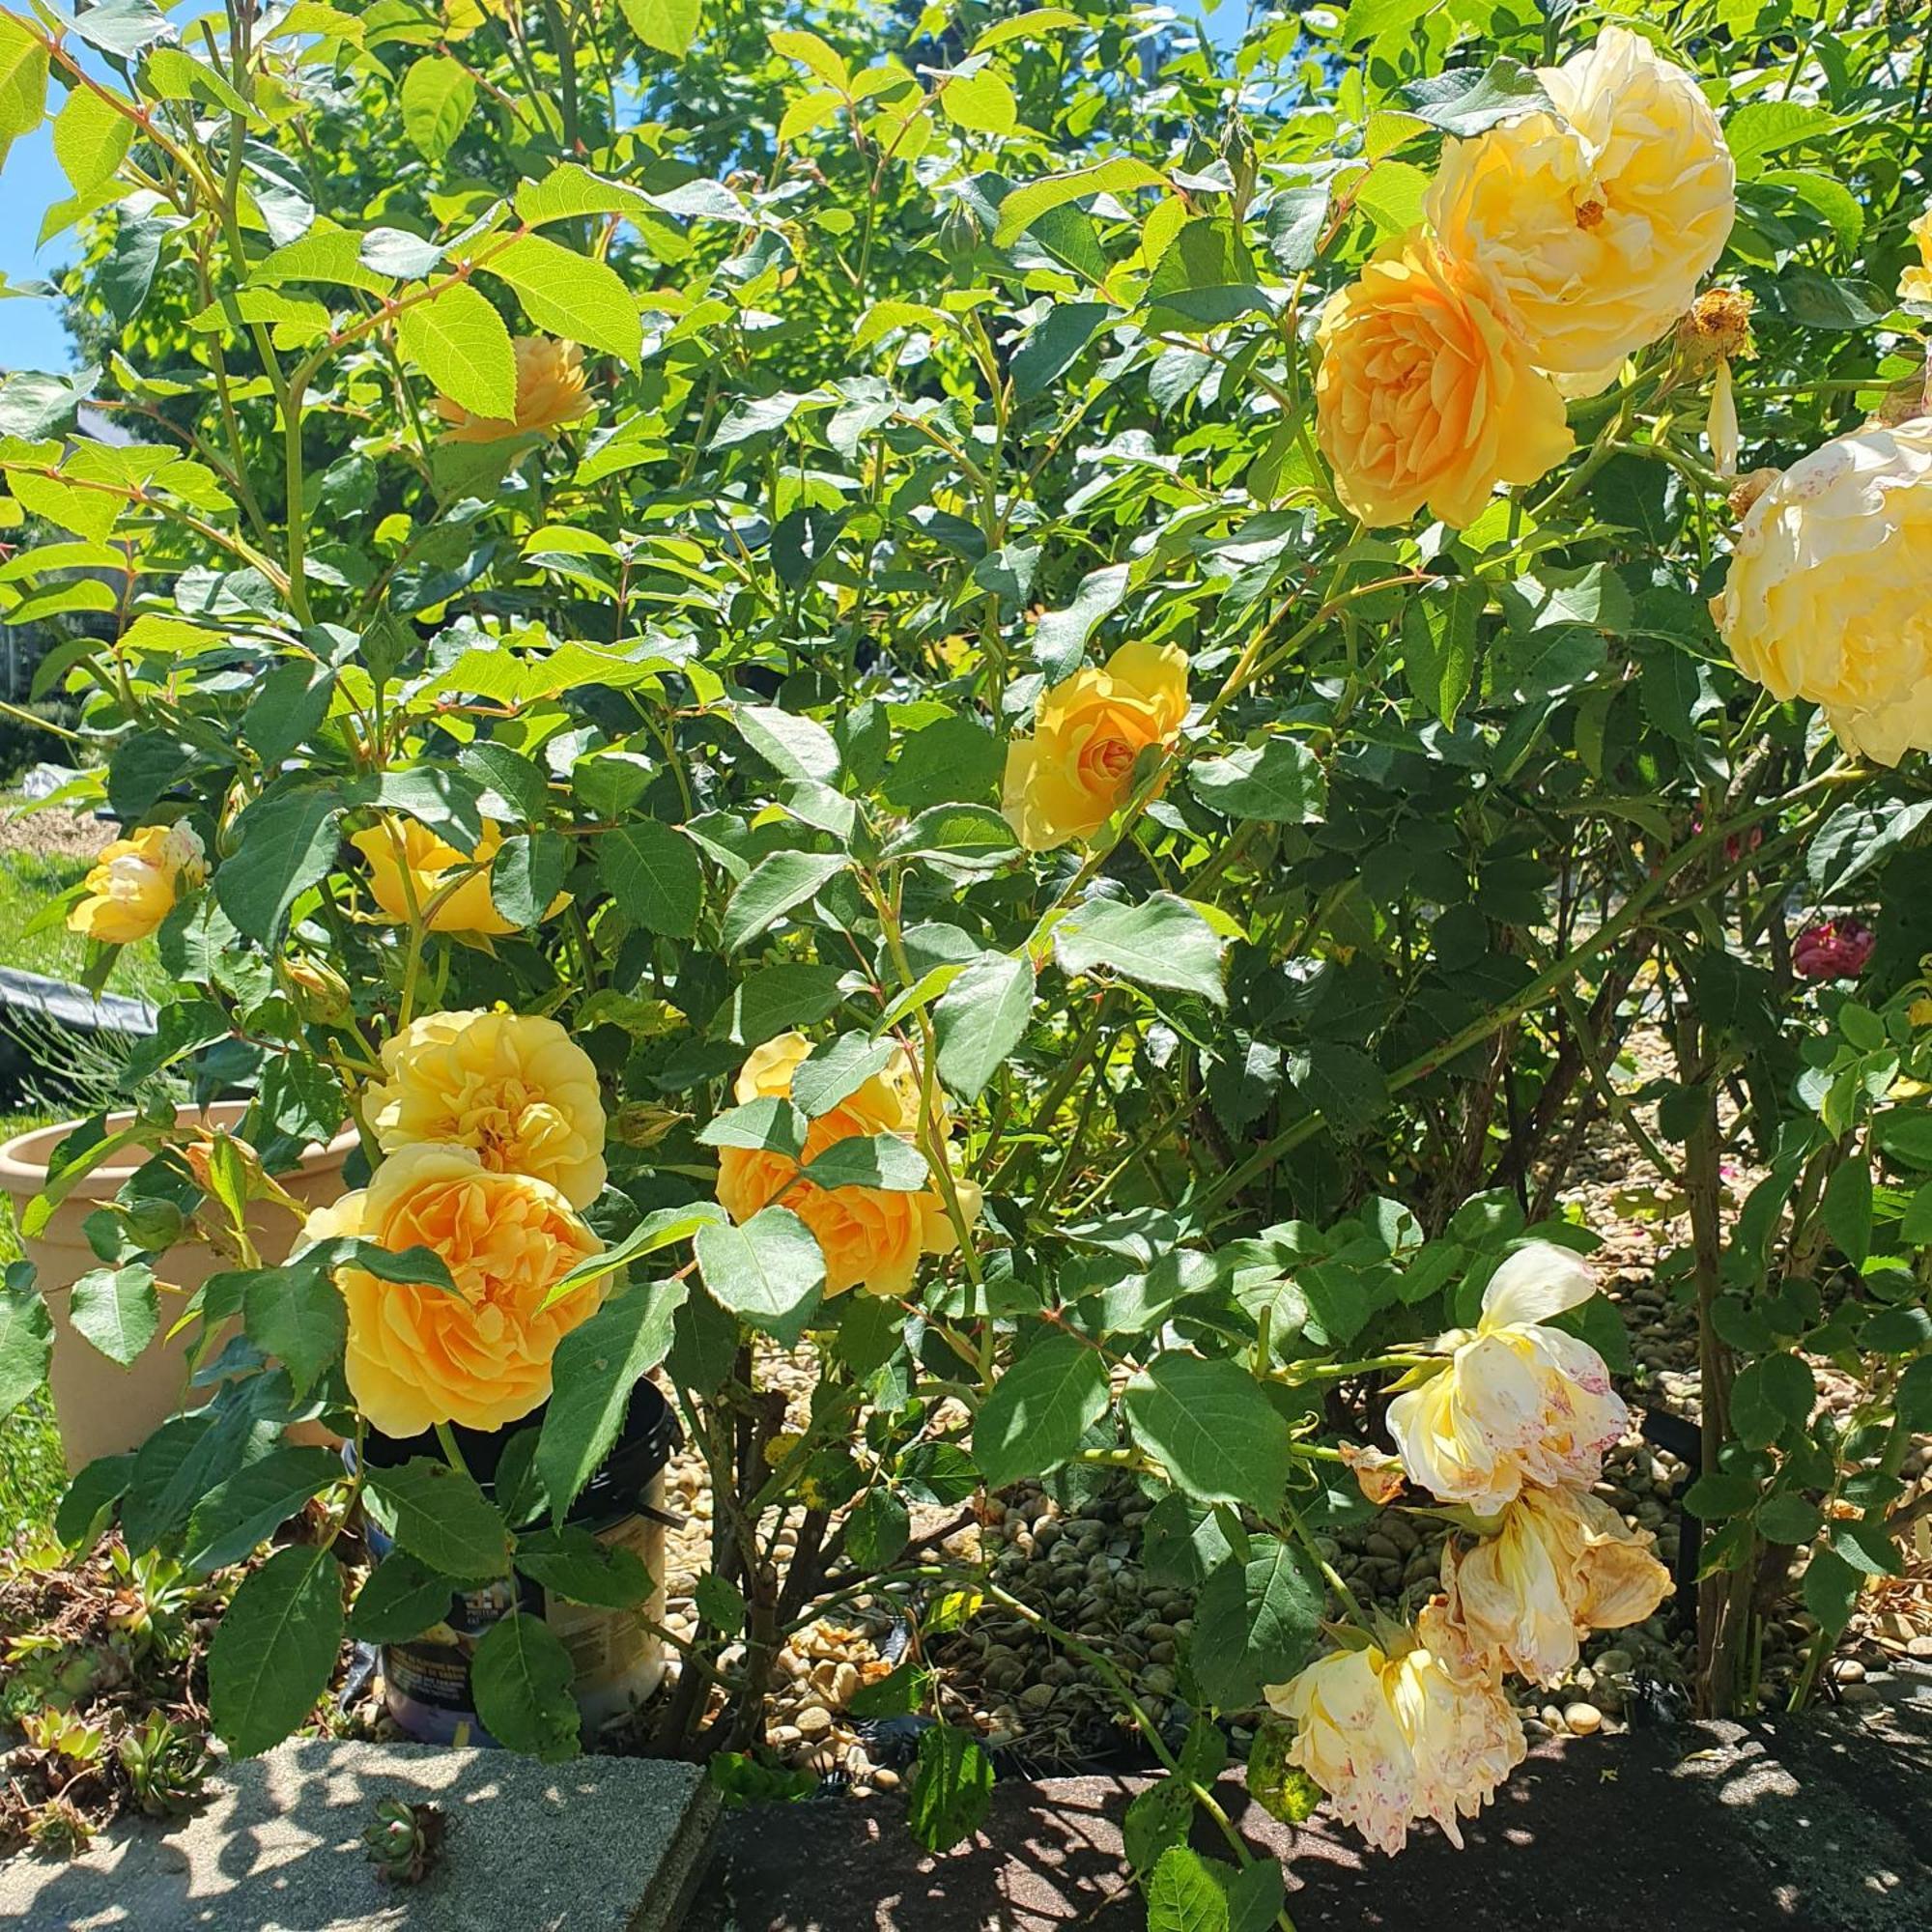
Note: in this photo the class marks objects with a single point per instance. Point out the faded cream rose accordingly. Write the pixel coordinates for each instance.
(871, 1237)
(551, 392)
(134, 883)
(1826, 596)
(1591, 227)
(1425, 397)
(1559, 1565)
(514, 1087)
(1076, 770)
(1396, 1732)
(481, 1356)
(1519, 1402)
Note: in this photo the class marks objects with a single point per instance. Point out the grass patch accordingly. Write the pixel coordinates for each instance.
(33, 1472)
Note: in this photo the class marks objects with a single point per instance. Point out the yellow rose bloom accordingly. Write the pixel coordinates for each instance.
(431, 862)
(1915, 285)
(133, 885)
(1519, 1402)
(1075, 771)
(1417, 1729)
(551, 392)
(1561, 1564)
(1424, 396)
(871, 1237)
(417, 1356)
(1592, 227)
(516, 1089)
(1826, 597)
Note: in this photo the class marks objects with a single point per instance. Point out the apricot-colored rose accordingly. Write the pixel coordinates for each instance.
(133, 885)
(1826, 597)
(550, 393)
(1591, 227)
(480, 1357)
(1425, 396)
(872, 1236)
(514, 1087)
(432, 863)
(1075, 771)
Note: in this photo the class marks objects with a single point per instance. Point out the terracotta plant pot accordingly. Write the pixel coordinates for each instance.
(103, 1410)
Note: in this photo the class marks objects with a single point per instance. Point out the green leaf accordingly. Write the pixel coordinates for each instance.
(1831, 1590)
(296, 1316)
(594, 1371)
(290, 838)
(117, 1310)
(876, 1530)
(26, 1337)
(1789, 1520)
(982, 103)
(1467, 100)
(884, 1161)
(769, 1123)
(523, 1683)
(720, 1604)
(443, 1517)
(570, 1562)
(952, 1788)
(527, 874)
(1438, 644)
(437, 97)
(23, 79)
(573, 296)
(652, 871)
(460, 343)
(1866, 1546)
(670, 26)
(837, 1070)
(1279, 782)
(1256, 1622)
(1025, 206)
(981, 1019)
(1718, 1494)
(91, 138)
(1847, 1208)
(95, 1490)
(1039, 1410)
(1219, 1436)
(247, 1508)
(972, 836)
(274, 1648)
(1163, 942)
(768, 1272)
(799, 749)
(401, 1598)
(772, 887)
(1183, 1895)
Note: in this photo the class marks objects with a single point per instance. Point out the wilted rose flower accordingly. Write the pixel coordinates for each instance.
(1834, 949)
(1519, 1402)
(133, 885)
(514, 1087)
(1075, 771)
(1426, 396)
(1561, 1564)
(550, 393)
(1377, 1474)
(1592, 226)
(1824, 599)
(871, 1237)
(1415, 1728)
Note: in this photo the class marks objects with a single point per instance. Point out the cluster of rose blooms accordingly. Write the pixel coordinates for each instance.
(1508, 1433)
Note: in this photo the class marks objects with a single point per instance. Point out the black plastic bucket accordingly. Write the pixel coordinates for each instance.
(426, 1681)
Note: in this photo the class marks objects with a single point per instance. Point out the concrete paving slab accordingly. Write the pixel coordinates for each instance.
(1820, 1826)
(599, 1844)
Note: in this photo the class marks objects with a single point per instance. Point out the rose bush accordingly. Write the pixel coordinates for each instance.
(1061, 675)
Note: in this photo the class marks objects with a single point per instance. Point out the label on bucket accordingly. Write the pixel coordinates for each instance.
(609, 1647)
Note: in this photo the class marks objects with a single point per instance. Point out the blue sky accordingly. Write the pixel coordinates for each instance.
(31, 335)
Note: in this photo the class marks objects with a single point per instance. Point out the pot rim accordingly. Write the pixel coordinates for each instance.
(23, 1159)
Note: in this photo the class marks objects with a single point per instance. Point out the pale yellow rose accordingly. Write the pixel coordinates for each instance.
(1418, 1729)
(1076, 770)
(1592, 227)
(871, 1237)
(1826, 597)
(418, 1356)
(1424, 396)
(1915, 285)
(432, 863)
(514, 1087)
(1560, 1564)
(133, 885)
(1519, 1402)
(550, 393)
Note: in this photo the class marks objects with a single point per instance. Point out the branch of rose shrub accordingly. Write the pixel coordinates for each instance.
(1097, 1661)
(1633, 912)
(1615, 1103)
